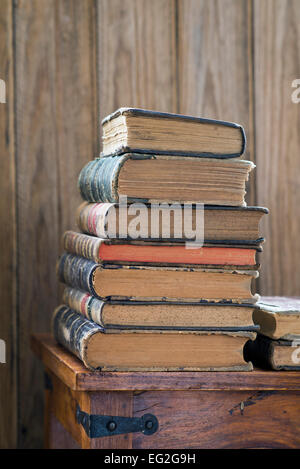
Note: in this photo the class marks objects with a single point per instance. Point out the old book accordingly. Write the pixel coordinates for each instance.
(142, 131)
(238, 225)
(160, 315)
(275, 354)
(161, 253)
(148, 178)
(156, 283)
(278, 317)
(113, 350)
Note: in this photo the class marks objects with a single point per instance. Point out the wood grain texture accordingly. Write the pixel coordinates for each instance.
(59, 438)
(56, 101)
(223, 417)
(277, 121)
(214, 46)
(214, 419)
(73, 374)
(136, 55)
(76, 100)
(112, 403)
(8, 370)
(37, 196)
(62, 403)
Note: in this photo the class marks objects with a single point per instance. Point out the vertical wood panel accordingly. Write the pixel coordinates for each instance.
(136, 54)
(8, 380)
(214, 42)
(56, 134)
(36, 147)
(112, 403)
(277, 119)
(78, 139)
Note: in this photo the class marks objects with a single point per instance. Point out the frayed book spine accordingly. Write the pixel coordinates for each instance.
(82, 245)
(84, 303)
(92, 218)
(98, 180)
(73, 331)
(76, 272)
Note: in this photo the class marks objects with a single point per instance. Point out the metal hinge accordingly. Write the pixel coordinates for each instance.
(97, 426)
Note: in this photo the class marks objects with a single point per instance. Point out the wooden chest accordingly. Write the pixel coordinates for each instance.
(259, 409)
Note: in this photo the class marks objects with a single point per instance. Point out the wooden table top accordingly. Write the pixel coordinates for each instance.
(74, 374)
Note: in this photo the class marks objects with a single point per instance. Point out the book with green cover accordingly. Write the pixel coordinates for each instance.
(151, 178)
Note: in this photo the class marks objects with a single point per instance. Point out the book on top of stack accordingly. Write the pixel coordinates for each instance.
(159, 275)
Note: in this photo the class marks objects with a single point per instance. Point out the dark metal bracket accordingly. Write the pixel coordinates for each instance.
(97, 426)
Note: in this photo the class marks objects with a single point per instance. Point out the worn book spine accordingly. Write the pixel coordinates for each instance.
(76, 272)
(82, 245)
(98, 219)
(91, 218)
(98, 180)
(73, 331)
(85, 304)
(92, 308)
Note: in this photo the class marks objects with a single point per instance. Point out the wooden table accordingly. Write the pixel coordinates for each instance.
(259, 409)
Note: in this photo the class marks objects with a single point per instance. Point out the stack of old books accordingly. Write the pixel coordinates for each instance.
(277, 345)
(159, 276)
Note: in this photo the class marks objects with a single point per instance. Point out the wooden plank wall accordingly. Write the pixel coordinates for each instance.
(68, 63)
(276, 28)
(137, 55)
(8, 278)
(214, 63)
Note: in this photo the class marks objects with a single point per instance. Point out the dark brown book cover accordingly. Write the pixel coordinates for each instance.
(148, 114)
(223, 225)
